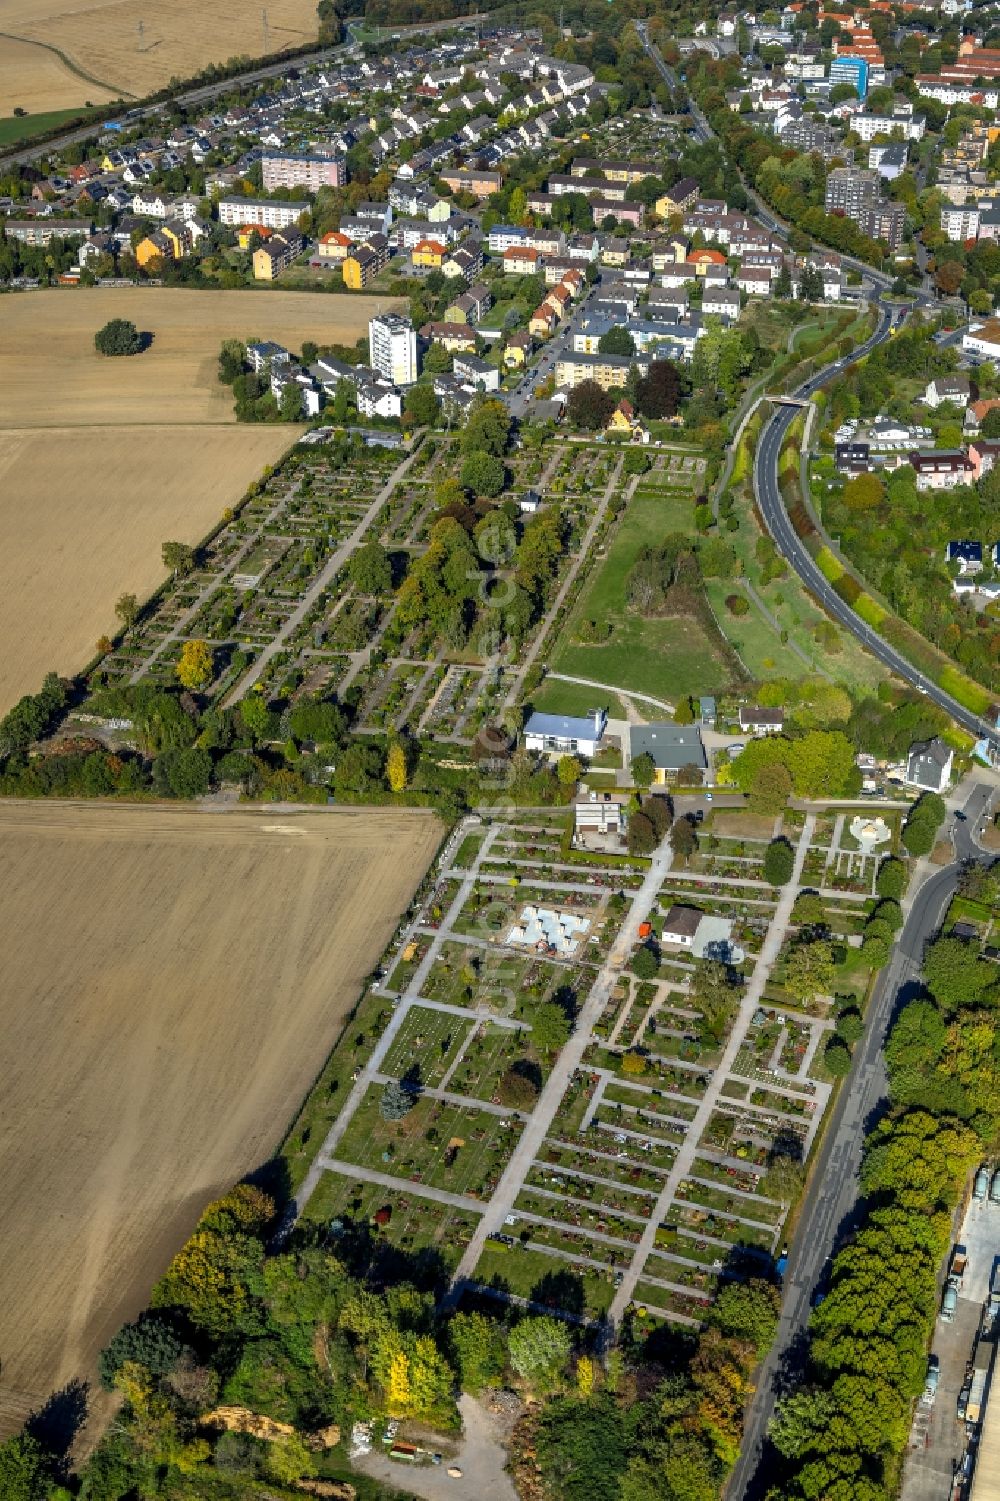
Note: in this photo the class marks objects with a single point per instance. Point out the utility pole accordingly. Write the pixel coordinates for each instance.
(141, 33)
(263, 17)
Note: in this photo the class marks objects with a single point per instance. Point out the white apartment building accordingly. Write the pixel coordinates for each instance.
(273, 213)
(960, 221)
(912, 127)
(392, 343)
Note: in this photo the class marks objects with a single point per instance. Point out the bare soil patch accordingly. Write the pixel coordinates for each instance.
(177, 981)
(738, 823)
(135, 49)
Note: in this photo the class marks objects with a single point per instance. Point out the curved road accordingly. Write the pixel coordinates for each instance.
(831, 1196)
(792, 548)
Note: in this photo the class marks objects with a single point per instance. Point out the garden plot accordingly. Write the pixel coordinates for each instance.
(428, 1042)
(458, 1148)
(571, 1281)
(491, 1051)
(413, 1223)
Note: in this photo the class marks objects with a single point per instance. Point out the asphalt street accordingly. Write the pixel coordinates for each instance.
(202, 93)
(792, 548)
(830, 1201)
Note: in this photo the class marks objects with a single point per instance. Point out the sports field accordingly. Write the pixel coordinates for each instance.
(100, 49)
(103, 460)
(177, 983)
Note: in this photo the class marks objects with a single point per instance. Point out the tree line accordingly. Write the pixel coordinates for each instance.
(841, 1433)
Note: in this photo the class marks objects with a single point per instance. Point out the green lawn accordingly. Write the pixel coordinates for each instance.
(14, 130)
(663, 657)
(756, 642)
(554, 697)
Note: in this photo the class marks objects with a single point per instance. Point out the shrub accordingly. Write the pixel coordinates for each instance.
(870, 610)
(645, 963)
(633, 1063)
(119, 336)
(837, 1058)
(779, 860)
(828, 565)
(737, 604)
(848, 588)
(891, 878)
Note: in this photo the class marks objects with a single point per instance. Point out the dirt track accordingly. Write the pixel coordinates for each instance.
(171, 983)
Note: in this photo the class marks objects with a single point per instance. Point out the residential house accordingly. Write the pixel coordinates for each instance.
(470, 306)
(954, 388)
(333, 247)
(454, 337)
(757, 721)
(476, 372)
(683, 195)
(975, 414)
(928, 765)
(608, 370)
(518, 349)
(601, 813)
(364, 263)
(852, 458)
(155, 247)
(967, 555)
(265, 354)
(942, 468)
(564, 734)
(680, 926)
(520, 260)
(428, 255)
(274, 213)
(273, 257)
(466, 262)
(671, 747)
(471, 180)
(542, 321)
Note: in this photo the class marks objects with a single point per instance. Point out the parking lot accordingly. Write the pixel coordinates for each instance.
(939, 1440)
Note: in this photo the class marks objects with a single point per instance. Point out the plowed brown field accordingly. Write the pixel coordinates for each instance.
(171, 982)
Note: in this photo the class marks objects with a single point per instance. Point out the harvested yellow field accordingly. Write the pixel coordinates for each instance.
(51, 375)
(134, 49)
(101, 461)
(36, 79)
(83, 514)
(178, 981)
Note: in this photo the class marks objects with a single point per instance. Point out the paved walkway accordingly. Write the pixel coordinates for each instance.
(373, 1067)
(180, 625)
(399, 1185)
(514, 691)
(684, 1161)
(533, 1138)
(646, 698)
(322, 581)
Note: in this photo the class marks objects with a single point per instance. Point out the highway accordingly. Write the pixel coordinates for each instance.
(203, 93)
(830, 1199)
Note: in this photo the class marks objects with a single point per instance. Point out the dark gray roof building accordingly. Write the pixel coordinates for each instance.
(670, 745)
